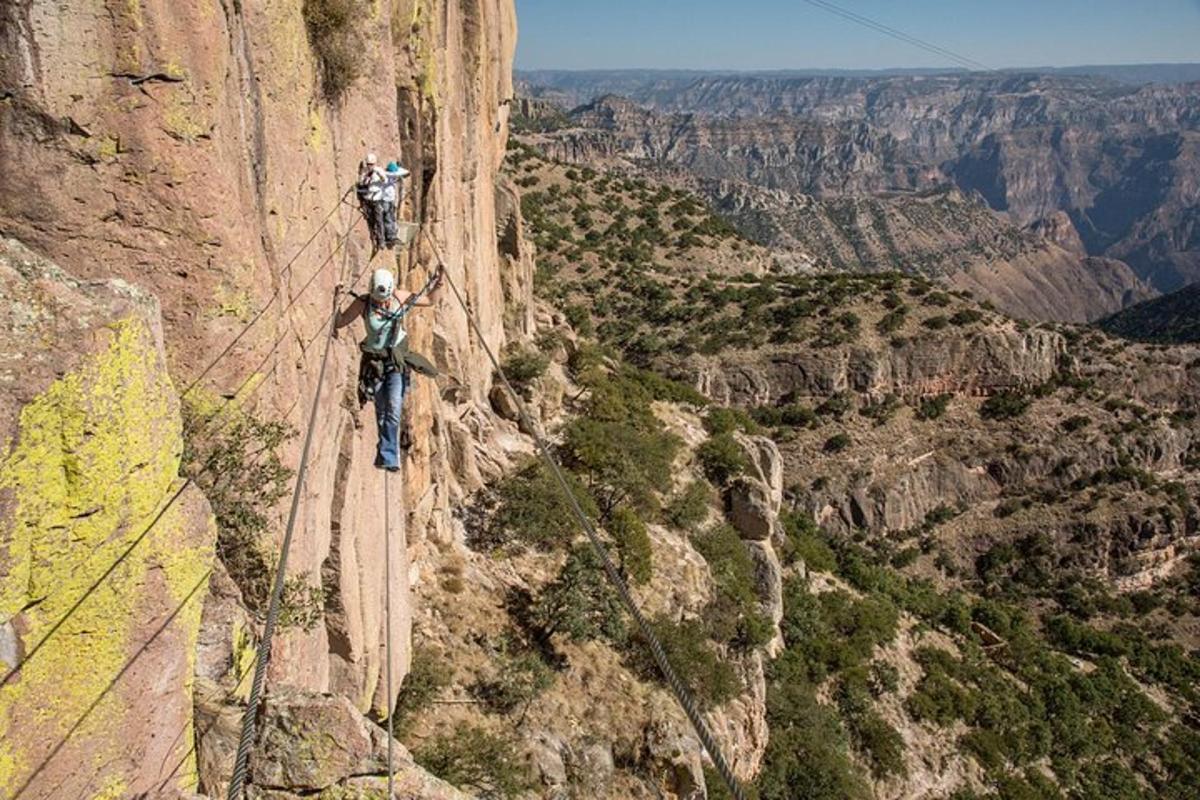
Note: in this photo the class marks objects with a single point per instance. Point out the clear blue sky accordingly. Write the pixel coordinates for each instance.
(783, 34)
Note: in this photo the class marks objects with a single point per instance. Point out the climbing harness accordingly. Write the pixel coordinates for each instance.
(682, 695)
(397, 354)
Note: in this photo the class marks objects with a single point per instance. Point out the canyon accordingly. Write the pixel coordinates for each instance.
(1117, 160)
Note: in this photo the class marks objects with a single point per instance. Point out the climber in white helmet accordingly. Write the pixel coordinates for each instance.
(383, 374)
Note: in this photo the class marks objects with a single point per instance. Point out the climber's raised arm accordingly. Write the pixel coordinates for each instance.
(354, 311)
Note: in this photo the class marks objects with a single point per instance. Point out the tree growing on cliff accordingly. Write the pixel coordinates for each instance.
(579, 602)
(336, 37)
(234, 457)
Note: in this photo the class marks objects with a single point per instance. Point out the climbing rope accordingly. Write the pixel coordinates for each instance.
(250, 717)
(681, 692)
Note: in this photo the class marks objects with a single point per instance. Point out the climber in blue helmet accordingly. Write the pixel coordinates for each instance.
(393, 194)
(384, 371)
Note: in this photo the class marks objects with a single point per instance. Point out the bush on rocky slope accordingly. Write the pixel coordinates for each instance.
(473, 758)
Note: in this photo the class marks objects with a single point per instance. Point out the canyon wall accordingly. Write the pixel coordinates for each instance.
(1120, 160)
(193, 150)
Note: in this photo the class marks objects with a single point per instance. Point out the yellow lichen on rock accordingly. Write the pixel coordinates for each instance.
(89, 546)
(316, 131)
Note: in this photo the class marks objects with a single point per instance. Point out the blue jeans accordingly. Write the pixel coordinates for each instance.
(389, 402)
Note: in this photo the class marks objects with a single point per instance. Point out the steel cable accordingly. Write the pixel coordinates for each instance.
(387, 600)
(274, 296)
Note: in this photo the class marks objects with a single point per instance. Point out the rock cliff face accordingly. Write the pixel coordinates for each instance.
(193, 150)
(826, 191)
(991, 360)
(105, 553)
(1172, 318)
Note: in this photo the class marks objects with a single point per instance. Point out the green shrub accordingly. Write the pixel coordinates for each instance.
(523, 366)
(722, 458)
(472, 758)
(1075, 423)
(579, 602)
(658, 387)
(521, 675)
(836, 405)
(884, 678)
(711, 679)
(833, 631)
(808, 753)
(633, 545)
(335, 34)
(805, 543)
(1005, 405)
(580, 319)
(620, 448)
(837, 443)
(936, 322)
(534, 510)
(722, 420)
(933, 407)
(792, 415)
(966, 316)
(302, 604)
(690, 507)
(427, 677)
(241, 473)
(882, 410)
(940, 699)
(733, 615)
(893, 320)
(881, 743)
(717, 790)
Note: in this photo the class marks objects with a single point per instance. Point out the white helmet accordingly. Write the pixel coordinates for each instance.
(382, 284)
(371, 159)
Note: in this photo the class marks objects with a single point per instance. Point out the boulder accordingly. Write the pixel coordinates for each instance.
(768, 584)
(749, 509)
(309, 742)
(675, 759)
(503, 404)
(546, 753)
(595, 759)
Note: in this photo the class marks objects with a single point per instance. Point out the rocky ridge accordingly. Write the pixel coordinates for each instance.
(931, 228)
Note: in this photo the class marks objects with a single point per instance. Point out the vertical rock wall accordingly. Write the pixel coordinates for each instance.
(188, 148)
